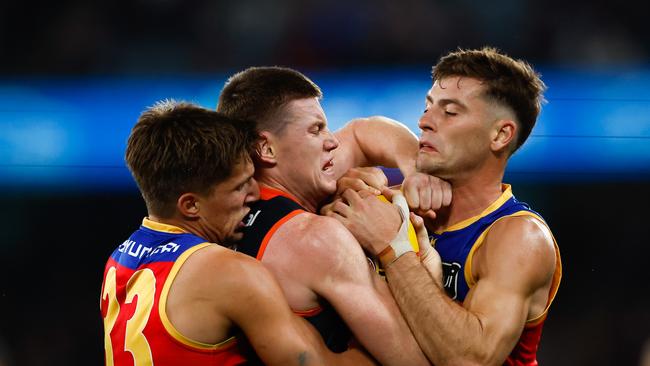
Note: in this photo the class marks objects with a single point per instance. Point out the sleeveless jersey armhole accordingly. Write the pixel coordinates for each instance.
(274, 228)
(162, 308)
(557, 275)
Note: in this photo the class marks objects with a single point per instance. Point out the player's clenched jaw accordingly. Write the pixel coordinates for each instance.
(305, 150)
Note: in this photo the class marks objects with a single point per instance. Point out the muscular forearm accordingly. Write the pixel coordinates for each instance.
(447, 333)
(386, 334)
(405, 348)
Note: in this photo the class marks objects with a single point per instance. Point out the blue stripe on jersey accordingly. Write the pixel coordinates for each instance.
(147, 246)
(454, 246)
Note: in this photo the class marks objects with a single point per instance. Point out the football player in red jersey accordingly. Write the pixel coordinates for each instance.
(171, 295)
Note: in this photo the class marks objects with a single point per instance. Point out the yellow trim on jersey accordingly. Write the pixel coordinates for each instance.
(159, 226)
(505, 195)
(557, 275)
(162, 304)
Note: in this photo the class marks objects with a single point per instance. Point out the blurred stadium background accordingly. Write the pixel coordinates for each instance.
(74, 76)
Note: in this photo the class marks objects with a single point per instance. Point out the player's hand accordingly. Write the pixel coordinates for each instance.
(371, 179)
(428, 255)
(426, 194)
(359, 179)
(373, 223)
(328, 209)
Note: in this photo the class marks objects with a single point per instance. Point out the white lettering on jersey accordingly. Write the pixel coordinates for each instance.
(450, 273)
(165, 248)
(129, 247)
(251, 218)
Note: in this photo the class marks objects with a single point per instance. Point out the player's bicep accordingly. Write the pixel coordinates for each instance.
(278, 336)
(515, 262)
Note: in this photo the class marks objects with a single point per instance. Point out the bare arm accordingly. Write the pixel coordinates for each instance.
(425, 194)
(278, 336)
(329, 261)
(485, 329)
(376, 141)
(374, 222)
(382, 141)
(364, 300)
(233, 290)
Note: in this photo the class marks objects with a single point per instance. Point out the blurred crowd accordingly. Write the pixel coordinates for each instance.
(171, 36)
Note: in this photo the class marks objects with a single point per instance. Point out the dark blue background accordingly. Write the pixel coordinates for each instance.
(71, 133)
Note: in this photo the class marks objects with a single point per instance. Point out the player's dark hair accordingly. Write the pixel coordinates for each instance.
(176, 148)
(259, 93)
(509, 82)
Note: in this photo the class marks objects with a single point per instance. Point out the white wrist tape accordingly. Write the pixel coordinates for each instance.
(401, 243)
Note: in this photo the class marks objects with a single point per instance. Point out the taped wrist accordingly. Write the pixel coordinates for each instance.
(401, 244)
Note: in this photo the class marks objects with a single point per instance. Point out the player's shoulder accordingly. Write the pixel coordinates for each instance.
(229, 280)
(223, 266)
(523, 239)
(314, 242)
(529, 230)
(316, 227)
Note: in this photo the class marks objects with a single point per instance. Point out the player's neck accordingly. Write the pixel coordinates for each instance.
(310, 204)
(470, 197)
(192, 227)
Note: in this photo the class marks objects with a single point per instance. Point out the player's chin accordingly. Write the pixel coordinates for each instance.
(328, 185)
(425, 164)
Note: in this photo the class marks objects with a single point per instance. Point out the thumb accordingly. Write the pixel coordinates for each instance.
(421, 233)
(430, 214)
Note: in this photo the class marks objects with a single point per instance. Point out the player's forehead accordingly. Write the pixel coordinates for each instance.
(305, 109)
(455, 87)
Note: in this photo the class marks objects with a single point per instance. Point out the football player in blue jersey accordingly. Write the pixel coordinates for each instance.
(501, 266)
(172, 294)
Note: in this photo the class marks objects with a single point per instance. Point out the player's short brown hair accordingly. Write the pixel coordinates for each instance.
(511, 83)
(178, 147)
(259, 93)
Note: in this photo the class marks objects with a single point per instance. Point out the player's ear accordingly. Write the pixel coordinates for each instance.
(189, 205)
(503, 135)
(266, 150)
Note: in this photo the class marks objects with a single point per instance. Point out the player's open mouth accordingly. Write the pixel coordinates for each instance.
(328, 165)
(243, 221)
